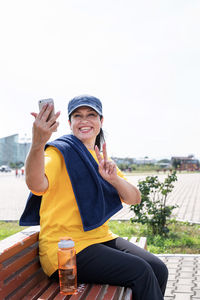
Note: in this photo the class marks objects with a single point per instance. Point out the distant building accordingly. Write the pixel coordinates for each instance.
(185, 163)
(12, 151)
(145, 161)
(127, 161)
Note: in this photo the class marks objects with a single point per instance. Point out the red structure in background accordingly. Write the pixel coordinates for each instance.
(185, 163)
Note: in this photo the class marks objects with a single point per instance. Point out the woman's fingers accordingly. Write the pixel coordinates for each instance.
(41, 112)
(53, 119)
(34, 114)
(43, 127)
(109, 167)
(47, 111)
(42, 117)
(105, 157)
(54, 126)
(52, 123)
(99, 158)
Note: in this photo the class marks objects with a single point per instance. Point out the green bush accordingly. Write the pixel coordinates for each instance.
(153, 210)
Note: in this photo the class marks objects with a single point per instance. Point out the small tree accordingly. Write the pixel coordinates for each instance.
(153, 210)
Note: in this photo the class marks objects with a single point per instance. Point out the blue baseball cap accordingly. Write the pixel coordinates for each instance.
(85, 100)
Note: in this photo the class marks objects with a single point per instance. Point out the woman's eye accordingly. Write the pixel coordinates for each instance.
(92, 115)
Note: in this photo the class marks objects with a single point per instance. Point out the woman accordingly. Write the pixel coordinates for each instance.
(80, 189)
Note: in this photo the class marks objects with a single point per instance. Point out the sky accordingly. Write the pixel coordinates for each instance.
(140, 58)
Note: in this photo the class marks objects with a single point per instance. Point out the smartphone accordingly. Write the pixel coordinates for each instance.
(42, 102)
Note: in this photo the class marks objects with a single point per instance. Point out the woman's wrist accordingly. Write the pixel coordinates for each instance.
(115, 181)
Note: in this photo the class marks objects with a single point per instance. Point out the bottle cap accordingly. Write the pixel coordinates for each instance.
(66, 243)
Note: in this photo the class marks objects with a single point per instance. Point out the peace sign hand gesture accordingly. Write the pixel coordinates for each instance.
(107, 168)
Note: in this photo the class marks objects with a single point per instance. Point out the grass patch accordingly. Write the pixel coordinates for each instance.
(9, 228)
(183, 238)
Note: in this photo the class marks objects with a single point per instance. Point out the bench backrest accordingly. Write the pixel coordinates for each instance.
(20, 269)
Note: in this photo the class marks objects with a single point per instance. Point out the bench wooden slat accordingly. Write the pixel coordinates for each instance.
(27, 286)
(60, 296)
(127, 294)
(50, 292)
(95, 291)
(18, 263)
(133, 240)
(140, 242)
(121, 293)
(111, 293)
(37, 290)
(143, 243)
(83, 290)
(18, 279)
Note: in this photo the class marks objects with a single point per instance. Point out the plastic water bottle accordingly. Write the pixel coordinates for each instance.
(67, 266)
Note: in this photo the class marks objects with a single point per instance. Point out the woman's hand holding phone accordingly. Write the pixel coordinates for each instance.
(45, 122)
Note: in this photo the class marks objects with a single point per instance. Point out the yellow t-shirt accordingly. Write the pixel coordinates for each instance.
(59, 214)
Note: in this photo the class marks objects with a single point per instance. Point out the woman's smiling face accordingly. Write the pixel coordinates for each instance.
(85, 124)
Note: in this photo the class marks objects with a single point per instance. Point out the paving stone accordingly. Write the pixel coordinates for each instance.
(196, 292)
(186, 274)
(171, 284)
(163, 258)
(187, 269)
(173, 271)
(197, 273)
(173, 264)
(182, 296)
(197, 278)
(173, 267)
(174, 259)
(188, 263)
(186, 281)
(189, 258)
(183, 288)
(169, 292)
(172, 276)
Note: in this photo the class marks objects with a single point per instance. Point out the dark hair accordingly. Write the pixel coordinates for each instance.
(100, 139)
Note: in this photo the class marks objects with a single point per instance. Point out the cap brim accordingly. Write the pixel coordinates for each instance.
(87, 106)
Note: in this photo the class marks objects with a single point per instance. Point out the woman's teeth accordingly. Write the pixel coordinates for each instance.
(85, 129)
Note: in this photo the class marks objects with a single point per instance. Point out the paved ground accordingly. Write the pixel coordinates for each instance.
(186, 194)
(13, 195)
(184, 277)
(184, 270)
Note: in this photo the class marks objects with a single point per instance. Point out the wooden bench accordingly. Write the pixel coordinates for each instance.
(21, 275)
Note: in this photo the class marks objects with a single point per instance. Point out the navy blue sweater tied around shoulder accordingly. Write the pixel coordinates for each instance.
(97, 199)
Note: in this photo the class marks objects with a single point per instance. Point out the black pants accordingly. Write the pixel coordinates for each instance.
(119, 262)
